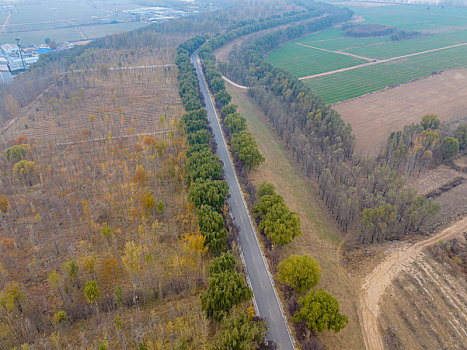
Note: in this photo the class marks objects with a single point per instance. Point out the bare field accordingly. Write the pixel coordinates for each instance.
(426, 306)
(374, 116)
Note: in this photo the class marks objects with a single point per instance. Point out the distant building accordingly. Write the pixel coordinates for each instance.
(44, 50)
(31, 60)
(16, 64)
(67, 45)
(9, 49)
(5, 74)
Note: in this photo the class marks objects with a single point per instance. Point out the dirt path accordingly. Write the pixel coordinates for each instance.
(377, 62)
(235, 84)
(5, 24)
(381, 277)
(339, 52)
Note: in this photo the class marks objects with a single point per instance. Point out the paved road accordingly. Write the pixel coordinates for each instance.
(265, 297)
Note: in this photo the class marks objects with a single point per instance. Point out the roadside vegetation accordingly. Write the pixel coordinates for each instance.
(279, 226)
(321, 238)
(227, 288)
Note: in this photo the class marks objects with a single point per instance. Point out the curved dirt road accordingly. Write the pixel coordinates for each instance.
(235, 84)
(381, 277)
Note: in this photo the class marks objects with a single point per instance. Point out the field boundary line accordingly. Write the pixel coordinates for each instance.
(378, 62)
(5, 24)
(338, 52)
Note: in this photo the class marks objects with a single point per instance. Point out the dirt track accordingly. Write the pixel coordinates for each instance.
(235, 84)
(222, 53)
(381, 277)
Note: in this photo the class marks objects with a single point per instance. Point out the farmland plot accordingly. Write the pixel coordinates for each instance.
(139, 103)
(362, 67)
(353, 83)
(374, 116)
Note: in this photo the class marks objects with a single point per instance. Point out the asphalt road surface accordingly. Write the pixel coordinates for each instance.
(265, 297)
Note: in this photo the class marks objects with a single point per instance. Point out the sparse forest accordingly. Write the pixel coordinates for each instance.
(112, 202)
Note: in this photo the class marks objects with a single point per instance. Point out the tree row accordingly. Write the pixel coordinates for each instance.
(362, 193)
(207, 192)
(242, 143)
(276, 220)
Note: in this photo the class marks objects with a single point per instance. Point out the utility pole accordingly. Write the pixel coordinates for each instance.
(20, 53)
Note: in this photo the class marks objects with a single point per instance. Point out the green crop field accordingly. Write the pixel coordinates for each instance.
(333, 39)
(441, 27)
(302, 61)
(414, 17)
(406, 47)
(353, 83)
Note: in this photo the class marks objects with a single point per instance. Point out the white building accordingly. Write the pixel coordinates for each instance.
(9, 49)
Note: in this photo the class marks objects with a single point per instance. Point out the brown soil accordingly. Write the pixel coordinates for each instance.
(435, 181)
(376, 283)
(426, 307)
(374, 116)
(461, 162)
